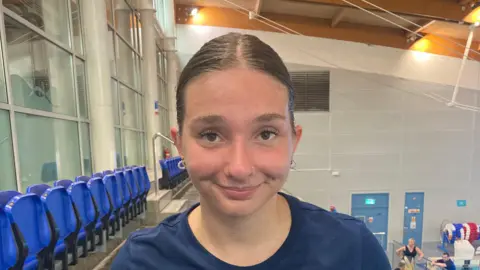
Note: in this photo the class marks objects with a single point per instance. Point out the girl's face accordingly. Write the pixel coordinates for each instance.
(237, 140)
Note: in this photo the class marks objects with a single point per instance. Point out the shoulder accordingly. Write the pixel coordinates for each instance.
(142, 249)
(343, 231)
(331, 221)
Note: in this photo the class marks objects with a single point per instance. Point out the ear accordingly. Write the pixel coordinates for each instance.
(177, 140)
(297, 137)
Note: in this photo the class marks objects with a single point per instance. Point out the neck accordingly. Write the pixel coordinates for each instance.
(268, 224)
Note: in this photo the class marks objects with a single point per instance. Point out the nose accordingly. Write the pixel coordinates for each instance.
(240, 165)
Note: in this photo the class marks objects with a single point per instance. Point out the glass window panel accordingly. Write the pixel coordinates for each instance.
(48, 149)
(3, 92)
(7, 168)
(125, 63)
(77, 27)
(141, 112)
(40, 72)
(160, 90)
(138, 76)
(128, 101)
(132, 146)
(81, 88)
(167, 125)
(123, 20)
(164, 64)
(144, 149)
(111, 50)
(165, 95)
(158, 62)
(116, 113)
(87, 154)
(118, 147)
(160, 65)
(108, 4)
(50, 16)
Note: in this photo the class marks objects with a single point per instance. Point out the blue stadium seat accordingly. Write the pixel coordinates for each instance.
(38, 228)
(163, 182)
(82, 178)
(115, 193)
(127, 195)
(172, 175)
(38, 189)
(102, 201)
(83, 201)
(61, 247)
(98, 174)
(13, 248)
(142, 191)
(66, 183)
(132, 184)
(107, 172)
(146, 180)
(67, 221)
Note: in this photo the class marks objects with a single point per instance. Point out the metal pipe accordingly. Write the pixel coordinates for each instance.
(462, 65)
(155, 172)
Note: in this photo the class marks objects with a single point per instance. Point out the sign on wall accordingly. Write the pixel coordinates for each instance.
(461, 203)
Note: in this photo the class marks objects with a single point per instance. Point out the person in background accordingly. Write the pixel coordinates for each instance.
(237, 137)
(409, 252)
(401, 265)
(446, 262)
(333, 209)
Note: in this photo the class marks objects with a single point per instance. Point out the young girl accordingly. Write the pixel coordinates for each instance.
(237, 136)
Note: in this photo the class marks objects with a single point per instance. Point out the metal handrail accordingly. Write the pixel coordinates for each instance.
(155, 172)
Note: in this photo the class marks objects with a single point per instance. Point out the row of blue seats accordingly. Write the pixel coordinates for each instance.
(49, 223)
(173, 172)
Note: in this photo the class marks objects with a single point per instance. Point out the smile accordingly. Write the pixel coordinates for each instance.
(239, 193)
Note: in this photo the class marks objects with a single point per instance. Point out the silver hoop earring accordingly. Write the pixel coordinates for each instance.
(293, 164)
(181, 165)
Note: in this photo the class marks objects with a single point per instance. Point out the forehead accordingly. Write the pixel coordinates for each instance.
(235, 93)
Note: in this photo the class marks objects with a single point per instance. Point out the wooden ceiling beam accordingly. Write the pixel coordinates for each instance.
(441, 10)
(338, 17)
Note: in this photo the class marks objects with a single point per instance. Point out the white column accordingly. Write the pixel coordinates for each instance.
(172, 62)
(172, 78)
(102, 137)
(149, 74)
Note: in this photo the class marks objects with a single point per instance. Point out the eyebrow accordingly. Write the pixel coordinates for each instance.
(217, 119)
(208, 120)
(268, 117)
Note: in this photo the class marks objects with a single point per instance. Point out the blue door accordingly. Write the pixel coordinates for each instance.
(413, 217)
(373, 210)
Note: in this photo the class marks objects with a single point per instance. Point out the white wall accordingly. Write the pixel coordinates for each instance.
(342, 54)
(384, 139)
(382, 134)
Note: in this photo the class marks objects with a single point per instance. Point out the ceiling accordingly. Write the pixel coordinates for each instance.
(429, 16)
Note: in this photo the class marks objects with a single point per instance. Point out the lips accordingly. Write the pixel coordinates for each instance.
(239, 193)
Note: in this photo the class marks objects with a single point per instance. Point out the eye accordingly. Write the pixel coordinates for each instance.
(210, 136)
(267, 135)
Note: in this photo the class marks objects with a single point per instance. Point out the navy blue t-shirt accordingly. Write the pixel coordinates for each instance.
(317, 240)
(450, 265)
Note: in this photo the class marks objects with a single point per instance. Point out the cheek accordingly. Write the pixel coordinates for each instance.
(274, 164)
(201, 163)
